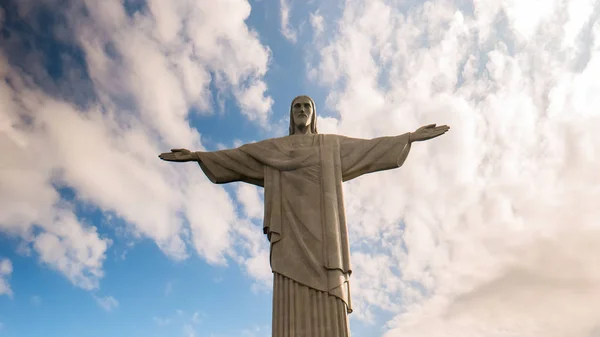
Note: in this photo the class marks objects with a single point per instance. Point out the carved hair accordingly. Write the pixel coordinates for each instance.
(313, 120)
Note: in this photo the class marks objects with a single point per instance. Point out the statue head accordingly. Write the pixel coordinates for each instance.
(303, 114)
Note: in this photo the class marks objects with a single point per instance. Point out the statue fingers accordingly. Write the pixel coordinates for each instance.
(433, 134)
(439, 133)
(166, 156)
(442, 129)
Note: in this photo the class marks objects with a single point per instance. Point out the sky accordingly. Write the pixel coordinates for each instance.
(489, 231)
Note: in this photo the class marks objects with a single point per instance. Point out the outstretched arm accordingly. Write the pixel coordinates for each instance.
(427, 132)
(362, 156)
(178, 155)
(222, 166)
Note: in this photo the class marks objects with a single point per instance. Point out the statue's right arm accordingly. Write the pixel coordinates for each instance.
(196, 156)
(225, 166)
(179, 155)
(221, 166)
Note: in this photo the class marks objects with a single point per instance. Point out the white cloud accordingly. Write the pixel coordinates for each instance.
(5, 267)
(146, 73)
(317, 22)
(494, 221)
(197, 317)
(189, 331)
(188, 321)
(286, 28)
(212, 215)
(499, 214)
(253, 103)
(162, 321)
(250, 199)
(253, 254)
(257, 331)
(108, 303)
(73, 249)
(5, 272)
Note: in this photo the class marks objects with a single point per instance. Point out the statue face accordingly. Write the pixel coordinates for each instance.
(302, 112)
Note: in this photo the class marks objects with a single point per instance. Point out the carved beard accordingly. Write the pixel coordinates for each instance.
(313, 119)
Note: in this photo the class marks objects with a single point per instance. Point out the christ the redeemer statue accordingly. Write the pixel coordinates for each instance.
(304, 219)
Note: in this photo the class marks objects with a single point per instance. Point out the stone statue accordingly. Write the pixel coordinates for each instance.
(304, 217)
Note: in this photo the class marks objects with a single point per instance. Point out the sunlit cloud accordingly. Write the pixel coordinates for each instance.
(466, 230)
(286, 28)
(98, 128)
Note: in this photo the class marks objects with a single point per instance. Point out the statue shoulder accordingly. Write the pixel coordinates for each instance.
(332, 138)
(269, 144)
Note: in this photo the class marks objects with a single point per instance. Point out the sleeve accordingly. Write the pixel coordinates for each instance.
(362, 156)
(232, 165)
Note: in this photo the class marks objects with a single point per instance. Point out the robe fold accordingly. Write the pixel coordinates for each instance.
(304, 217)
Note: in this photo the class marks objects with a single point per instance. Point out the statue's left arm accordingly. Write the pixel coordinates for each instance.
(362, 156)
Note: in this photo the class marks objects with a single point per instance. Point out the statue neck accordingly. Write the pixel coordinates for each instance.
(302, 130)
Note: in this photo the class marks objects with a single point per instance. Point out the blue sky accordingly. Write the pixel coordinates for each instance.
(495, 222)
(153, 295)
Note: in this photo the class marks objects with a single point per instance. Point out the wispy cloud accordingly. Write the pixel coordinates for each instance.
(110, 117)
(5, 271)
(286, 28)
(249, 197)
(36, 300)
(162, 321)
(494, 221)
(197, 317)
(169, 288)
(189, 330)
(256, 331)
(108, 303)
(318, 23)
(188, 321)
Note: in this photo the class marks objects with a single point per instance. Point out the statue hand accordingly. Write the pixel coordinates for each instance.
(428, 132)
(178, 155)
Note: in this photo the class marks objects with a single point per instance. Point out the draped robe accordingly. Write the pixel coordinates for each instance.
(304, 217)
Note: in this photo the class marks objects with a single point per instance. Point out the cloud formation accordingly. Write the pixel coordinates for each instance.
(488, 230)
(108, 303)
(5, 271)
(286, 28)
(126, 83)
